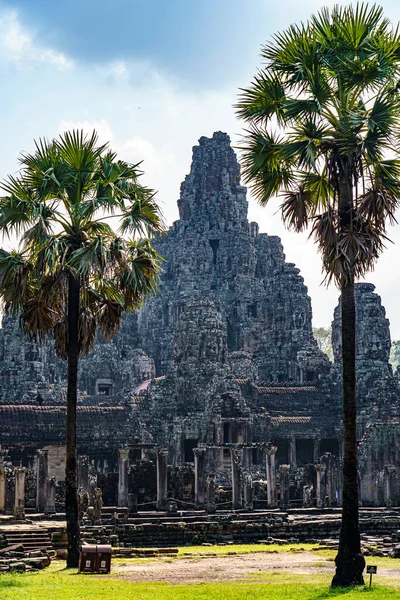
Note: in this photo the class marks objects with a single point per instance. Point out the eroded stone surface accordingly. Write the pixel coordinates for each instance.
(224, 356)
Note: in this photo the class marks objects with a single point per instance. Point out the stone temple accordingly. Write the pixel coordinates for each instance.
(216, 390)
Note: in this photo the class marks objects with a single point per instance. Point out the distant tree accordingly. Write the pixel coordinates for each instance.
(323, 335)
(395, 354)
(323, 119)
(72, 273)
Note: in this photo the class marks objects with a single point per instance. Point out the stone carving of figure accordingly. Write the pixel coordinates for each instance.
(97, 502)
(83, 503)
(298, 319)
(172, 507)
(307, 496)
(248, 490)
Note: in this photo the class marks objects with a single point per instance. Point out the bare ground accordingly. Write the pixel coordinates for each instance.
(229, 568)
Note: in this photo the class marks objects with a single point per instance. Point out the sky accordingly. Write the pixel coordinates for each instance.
(153, 77)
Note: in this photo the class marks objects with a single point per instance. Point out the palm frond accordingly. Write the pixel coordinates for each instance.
(60, 335)
(142, 216)
(93, 257)
(382, 199)
(263, 100)
(298, 208)
(87, 326)
(37, 319)
(16, 275)
(264, 167)
(138, 277)
(109, 318)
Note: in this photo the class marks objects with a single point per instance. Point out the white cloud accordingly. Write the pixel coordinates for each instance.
(147, 115)
(136, 149)
(102, 128)
(117, 69)
(20, 47)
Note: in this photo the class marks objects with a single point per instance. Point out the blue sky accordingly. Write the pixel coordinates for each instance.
(196, 40)
(152, 76)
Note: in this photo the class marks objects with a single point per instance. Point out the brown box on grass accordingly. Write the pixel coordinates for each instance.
(95, 558)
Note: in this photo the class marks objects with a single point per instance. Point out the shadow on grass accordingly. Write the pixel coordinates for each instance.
(11, 581)
(333, 592)
(67, 570)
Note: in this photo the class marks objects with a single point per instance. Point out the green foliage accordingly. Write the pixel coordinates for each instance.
(323, 335)
(323, 132)
(395, 354)
(71, 205)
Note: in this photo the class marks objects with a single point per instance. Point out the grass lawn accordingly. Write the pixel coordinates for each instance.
(245, 549)
(58, 583)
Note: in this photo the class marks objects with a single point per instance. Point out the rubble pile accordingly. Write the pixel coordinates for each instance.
(14, 559)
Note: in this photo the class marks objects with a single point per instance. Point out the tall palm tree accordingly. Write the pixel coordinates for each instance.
(323, 131)
(73, 273)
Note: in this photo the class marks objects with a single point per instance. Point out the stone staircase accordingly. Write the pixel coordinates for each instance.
(32, 539)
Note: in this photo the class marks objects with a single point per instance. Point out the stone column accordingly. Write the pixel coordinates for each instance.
(340, 457)
(247, 458)
(316, 449)
(19, 502)
(270, 452)
(329, 491)
(248, 490)
(2, 490)
(42, 474)
(123, 467)
(340, 485)
(390, 473)
(162, 479)
(236, 479)
(199, 476)
(219, 452)
(83, 473)
(211, 507)
(132, 503)
(320, 469)
(285, 485)
(51, 495)
(292, 453)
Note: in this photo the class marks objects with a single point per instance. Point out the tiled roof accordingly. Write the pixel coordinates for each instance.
(145, 384)
(28, 408)
(21, 424)
(286, 390)
(281, 420)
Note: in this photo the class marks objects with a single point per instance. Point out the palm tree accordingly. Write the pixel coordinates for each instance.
(323, 131)
(72, 273)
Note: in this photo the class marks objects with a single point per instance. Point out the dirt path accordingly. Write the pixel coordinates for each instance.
(225, 568)
(229, 568)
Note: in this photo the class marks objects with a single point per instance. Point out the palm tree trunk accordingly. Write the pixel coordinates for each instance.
(71, 500)
(349, 561)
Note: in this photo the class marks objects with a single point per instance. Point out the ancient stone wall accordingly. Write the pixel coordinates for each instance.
(214, 253)
(223, 356)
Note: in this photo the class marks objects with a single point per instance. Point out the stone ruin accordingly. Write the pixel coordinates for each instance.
(215, 394)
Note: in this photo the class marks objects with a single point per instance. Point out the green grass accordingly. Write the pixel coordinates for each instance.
(326, 554)
(384, 562)
(245, 549)
(57, 583)
(60, 584)
(188, 552)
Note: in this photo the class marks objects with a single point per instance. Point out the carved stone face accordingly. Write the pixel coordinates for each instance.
(211, 348)
(298, 319)
(374, 347)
